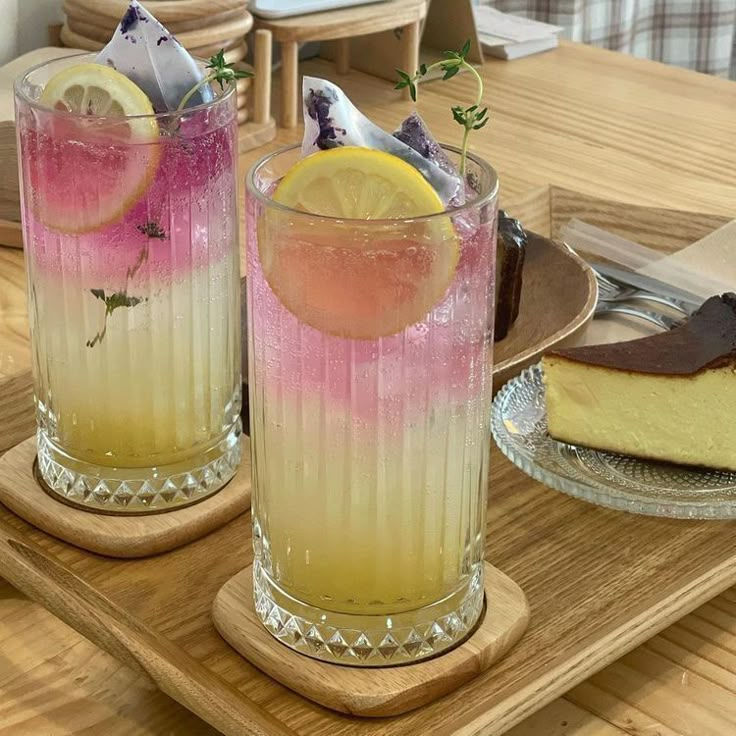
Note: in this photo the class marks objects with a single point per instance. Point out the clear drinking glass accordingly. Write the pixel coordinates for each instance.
(131, 245)
(370, 453)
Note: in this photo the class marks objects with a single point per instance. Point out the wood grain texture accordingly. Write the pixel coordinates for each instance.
(289, 83)
(117, 536)
(11, 233)
(410, 39)
(131, 641)
(254, 135)
(345, 22)
(75, 40)
(9, 186)
(17, 419)
(598, 583)
(263, 55)
(580, 118)
(374, 692)
(592, 121)
(197, 38)
(342, 56)
(663, 229)
(17, 414)
(338, 25)
(228, 45)
(56, 683)
(167, 11)
(76, 14)
(448, 25)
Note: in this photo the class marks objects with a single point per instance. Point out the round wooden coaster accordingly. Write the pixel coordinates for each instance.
(374, 691)
(117, 536)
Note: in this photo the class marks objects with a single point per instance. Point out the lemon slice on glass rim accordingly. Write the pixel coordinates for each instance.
(114, 155)
(360, 276)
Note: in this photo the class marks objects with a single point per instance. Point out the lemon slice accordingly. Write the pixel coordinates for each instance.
(87, 173)
(94, 89)
(351, 279)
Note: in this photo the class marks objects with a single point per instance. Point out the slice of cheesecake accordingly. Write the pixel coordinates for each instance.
(668, 397)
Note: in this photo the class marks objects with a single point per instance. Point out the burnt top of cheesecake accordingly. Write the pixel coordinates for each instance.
(706, 340)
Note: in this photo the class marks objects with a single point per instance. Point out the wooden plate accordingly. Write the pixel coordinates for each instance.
(558, 299)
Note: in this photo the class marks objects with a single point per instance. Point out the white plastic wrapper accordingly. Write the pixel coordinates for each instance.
(145, 52)
(331, 120)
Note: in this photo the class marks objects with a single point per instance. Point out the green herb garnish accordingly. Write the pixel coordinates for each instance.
(152, 229)
(121, 298)
(112, 302)
(222, 73)
(470, 118)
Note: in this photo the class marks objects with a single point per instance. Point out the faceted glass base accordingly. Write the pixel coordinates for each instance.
(371, 640)
(138, 490)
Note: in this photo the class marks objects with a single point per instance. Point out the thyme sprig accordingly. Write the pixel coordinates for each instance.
(470, 118)
(112, 302)
(121, 298)
(221, 72)
(152, 229)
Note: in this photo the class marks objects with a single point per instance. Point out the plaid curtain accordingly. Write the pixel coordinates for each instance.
(695, 34)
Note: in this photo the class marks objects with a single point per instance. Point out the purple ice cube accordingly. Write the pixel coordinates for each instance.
(414, 132)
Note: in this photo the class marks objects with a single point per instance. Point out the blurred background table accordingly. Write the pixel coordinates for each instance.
(578, 117)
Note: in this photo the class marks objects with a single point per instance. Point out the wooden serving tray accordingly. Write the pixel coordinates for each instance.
(599, 582)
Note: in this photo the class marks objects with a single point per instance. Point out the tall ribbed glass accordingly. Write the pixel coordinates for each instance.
(130, 230)
(370, 451)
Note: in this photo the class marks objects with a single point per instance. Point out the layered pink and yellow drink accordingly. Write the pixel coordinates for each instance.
(370, 386)
(131, 247)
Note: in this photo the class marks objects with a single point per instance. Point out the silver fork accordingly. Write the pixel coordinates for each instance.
(661, 320)
(613, 291)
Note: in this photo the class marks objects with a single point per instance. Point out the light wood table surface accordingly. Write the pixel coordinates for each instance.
(581, 118)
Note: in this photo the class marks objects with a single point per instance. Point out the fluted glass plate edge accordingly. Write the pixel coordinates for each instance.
(519, 426)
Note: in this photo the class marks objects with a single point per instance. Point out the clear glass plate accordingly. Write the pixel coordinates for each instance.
(618, 481)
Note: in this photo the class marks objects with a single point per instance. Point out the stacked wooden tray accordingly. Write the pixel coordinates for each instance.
(202, 26)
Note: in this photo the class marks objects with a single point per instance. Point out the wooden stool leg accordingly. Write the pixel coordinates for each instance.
(410, 50)
(262, 83)
(289, 83)
(342, 55)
